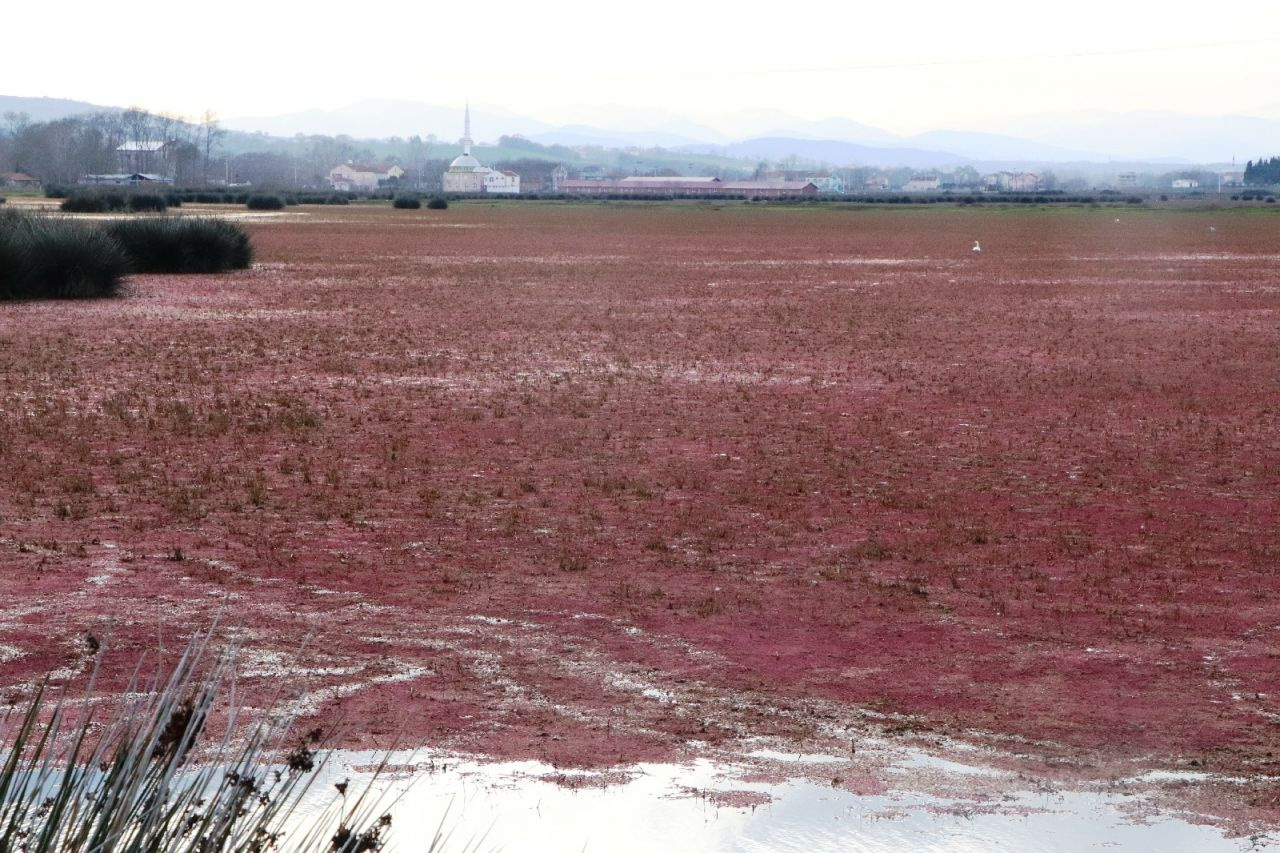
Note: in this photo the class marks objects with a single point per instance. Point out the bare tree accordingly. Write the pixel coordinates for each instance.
(210, 136)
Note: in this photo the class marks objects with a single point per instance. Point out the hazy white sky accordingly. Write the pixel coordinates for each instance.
(904, 66)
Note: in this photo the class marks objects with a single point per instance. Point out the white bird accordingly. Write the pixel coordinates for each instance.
(1117, 220)
(1211, 228)
(977, 247)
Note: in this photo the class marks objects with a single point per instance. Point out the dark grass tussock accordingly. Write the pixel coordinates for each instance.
(46, 258)
(88, 203)
(183, 245)
(265, 202)
(92, 201)
(147, 202)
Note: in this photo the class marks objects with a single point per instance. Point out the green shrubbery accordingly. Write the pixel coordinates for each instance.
(262, 201)
(90, 203)
(319, 198)
(152, 202)
(407, 202)
(182, 245)
(42, 257)
(110, 201)
(437, 203)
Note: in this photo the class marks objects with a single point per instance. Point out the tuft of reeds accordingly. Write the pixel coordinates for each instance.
(183, 245)
(143, 780)
(147, 203)
(84, 203)
(265, 202)
(42, 257)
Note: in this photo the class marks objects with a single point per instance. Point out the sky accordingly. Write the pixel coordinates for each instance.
(905, 67)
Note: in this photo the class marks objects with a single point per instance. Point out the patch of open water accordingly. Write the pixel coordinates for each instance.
(734, 806)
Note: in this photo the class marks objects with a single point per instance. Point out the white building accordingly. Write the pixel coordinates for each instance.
(350, 177)
(466, 174)
(832, 183)
(153, 158)
(1018, 182)
(502, 182)
(927, 183)
(1185, 183)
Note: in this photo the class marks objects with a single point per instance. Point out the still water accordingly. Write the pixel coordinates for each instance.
(767, 801)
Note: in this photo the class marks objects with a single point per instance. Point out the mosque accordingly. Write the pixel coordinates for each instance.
(466, 174)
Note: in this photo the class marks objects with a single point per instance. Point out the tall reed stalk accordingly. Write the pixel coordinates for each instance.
(142, 780)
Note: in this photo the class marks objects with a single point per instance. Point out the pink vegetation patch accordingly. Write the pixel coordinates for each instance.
(595, 484)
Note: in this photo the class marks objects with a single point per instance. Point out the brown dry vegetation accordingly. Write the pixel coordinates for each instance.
(592, 482)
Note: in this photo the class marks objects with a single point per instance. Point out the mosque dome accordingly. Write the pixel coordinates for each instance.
(465, 163)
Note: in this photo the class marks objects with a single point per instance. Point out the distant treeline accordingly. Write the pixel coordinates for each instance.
(1263, 171)
(99, 199)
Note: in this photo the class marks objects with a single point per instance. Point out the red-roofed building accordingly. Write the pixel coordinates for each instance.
(694, 186)
(18, 180)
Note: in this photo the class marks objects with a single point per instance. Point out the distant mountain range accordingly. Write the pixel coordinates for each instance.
(1094, 137)
(1088, 137)
(46, 109)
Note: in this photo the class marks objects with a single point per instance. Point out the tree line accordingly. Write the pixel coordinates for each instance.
(1262, 172)
(64, 150)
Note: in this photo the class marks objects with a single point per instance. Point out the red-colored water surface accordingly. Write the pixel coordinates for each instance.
(596, 483)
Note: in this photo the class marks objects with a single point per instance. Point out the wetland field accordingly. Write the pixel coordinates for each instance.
(595, 485)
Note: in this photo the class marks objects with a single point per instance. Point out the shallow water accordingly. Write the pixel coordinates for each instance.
(705, 806)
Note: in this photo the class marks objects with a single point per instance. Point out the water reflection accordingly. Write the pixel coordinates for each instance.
(705, 806)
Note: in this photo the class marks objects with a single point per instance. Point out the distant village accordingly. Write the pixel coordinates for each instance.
(162, 161)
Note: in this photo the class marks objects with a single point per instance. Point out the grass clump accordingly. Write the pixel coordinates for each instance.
(144, 780)
(110, 201)
(147, 203)
(264, 202)
(406, 202)
(85, 203)
(46, 258)
(183, 245)
(438, 203)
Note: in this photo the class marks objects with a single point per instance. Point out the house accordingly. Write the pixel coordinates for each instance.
(922, 184)
(876, 183)
(1185, 183)
(350, 177)
(1234, 178)
(150, 157)
(129, 179)
(829, 183)
(539, 176)
(18, 180)
(507, 182)
(832, 183)
(1012, 182)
